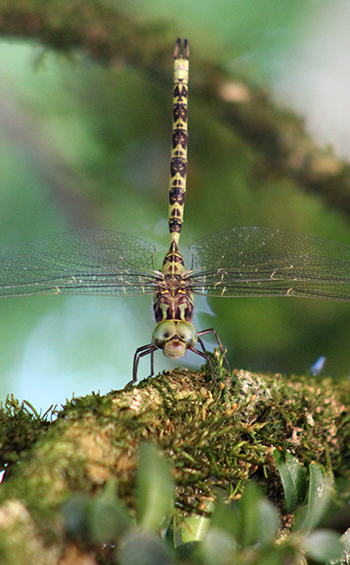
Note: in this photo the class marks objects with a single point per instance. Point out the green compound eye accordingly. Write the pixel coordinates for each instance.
(163, 332)
(187, 332)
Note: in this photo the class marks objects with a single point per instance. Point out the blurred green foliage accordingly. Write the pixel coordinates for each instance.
(248, 530)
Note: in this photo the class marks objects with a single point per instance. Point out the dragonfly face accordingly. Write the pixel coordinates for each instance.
(174, 337)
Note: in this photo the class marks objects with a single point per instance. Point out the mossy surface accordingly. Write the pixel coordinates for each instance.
(20, 428)
(214, 437)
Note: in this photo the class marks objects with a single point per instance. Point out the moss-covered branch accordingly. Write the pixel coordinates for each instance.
(214, 439)
(99, 29)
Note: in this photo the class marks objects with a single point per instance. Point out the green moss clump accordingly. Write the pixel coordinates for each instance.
(20, 427)
(214, 437)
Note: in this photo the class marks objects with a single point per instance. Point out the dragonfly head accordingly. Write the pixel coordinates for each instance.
(174, 337)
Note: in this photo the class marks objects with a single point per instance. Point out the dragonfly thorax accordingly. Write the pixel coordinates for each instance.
(173, 300)
(174, 337)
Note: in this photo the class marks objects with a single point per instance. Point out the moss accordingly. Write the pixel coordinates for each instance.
(214, 437)
(20, 427)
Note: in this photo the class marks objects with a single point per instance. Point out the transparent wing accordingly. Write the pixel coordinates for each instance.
(79, 262)
(254, 261)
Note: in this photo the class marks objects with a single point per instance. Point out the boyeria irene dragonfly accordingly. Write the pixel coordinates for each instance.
(243, 261)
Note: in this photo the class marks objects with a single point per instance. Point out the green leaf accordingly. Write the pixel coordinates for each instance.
(249, 514)
(101, 519)
(218, 547)
(194, 528)
(276, 556)
(251, 519)
(320, 491)
(268, 522)
(345, 539)
(323, 546)
(293, 478)
(108, 517)
(143, 548)
(76, 516)
(155, 488)
(228, 518)
(186, 551)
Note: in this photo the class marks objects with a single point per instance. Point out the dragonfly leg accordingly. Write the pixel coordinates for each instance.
(148, 349)
(152, 362)
(201, 343)
(207, 358)
(212, 331)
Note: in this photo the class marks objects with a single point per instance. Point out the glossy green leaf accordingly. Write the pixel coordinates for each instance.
(155, 488)
(320, 491)
(323, 546)
(293, 479)
(194, 528)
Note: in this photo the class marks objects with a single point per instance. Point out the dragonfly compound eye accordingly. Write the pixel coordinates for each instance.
(187, 332)
(163, 331)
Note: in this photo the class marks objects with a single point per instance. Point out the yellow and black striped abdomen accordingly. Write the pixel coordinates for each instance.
(178, 167)
(173, 263)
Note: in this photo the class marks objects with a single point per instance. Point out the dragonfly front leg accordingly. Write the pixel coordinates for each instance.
(207, 358)
(212, 331)
(148, 349)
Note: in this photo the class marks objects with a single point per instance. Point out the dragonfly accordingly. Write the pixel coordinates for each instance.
(242, 261)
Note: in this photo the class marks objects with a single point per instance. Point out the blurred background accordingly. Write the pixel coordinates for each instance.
(82, 145)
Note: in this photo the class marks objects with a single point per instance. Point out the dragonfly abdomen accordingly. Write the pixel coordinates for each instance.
(178, 166)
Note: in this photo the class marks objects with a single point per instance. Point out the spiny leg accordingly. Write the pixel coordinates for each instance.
(148, 349)
(217, 337)
(205, 355)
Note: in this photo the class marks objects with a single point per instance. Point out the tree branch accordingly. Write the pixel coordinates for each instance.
(214, 438)
(108, 36)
